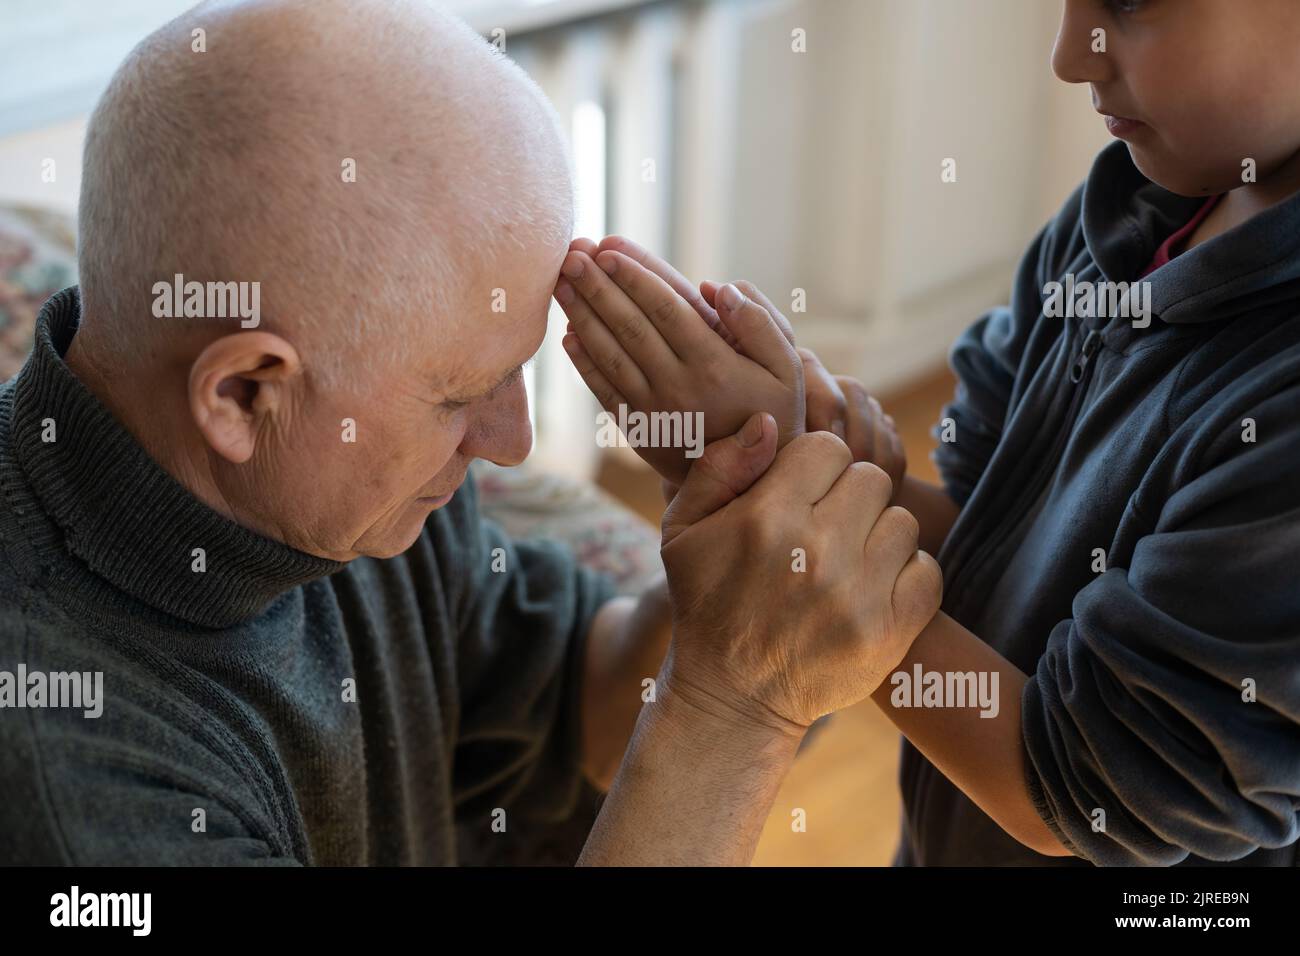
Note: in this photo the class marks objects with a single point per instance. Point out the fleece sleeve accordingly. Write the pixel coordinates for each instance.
(524, 613)
(1164, 717)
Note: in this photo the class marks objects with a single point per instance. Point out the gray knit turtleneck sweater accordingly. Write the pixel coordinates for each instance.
(227, 733)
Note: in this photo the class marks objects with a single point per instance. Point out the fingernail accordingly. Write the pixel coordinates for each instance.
(572, 266)
(838, 429)
(731, 297)
(609, 264)
(752, 433)
(563, 293)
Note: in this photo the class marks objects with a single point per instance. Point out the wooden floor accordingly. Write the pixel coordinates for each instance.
(845, 780)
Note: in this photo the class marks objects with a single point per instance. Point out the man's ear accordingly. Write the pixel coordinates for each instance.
(235, 383)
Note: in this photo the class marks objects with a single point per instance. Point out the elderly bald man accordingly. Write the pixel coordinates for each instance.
(312, 649)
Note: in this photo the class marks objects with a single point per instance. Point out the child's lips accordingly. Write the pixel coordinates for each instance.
(1122, 127)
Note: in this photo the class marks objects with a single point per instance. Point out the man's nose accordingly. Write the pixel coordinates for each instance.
(1073, 59)
(499, 430)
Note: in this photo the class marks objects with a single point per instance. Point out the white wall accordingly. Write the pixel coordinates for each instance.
(23, 158)
(837, 186)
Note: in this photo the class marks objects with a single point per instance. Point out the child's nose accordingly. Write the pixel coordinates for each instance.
(1081, 54)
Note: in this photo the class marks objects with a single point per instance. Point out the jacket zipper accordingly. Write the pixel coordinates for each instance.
(1090, 345)
(1079, 371)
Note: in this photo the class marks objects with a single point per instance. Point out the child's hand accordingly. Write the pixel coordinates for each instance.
(840, 404)
(835, 403)
(637, 343)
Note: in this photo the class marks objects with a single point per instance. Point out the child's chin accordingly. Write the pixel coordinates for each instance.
(1175, 177)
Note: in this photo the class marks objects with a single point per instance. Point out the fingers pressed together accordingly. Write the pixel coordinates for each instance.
(632, 330)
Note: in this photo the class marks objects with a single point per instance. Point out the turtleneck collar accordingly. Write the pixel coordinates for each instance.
(121, 514)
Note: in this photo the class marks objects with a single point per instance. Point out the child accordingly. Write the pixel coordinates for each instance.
(1115, 674)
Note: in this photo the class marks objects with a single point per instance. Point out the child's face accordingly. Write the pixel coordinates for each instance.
(1211, 83)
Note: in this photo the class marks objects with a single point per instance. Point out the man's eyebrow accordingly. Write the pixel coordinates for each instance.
(509, 379)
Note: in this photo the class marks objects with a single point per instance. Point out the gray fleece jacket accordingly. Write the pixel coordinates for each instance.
(1164, 684)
